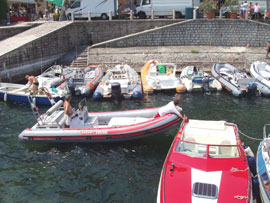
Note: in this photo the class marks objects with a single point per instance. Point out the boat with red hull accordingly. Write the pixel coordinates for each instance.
(98, 126)
(206, 163)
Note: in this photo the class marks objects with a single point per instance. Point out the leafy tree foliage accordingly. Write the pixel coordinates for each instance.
(3, 9)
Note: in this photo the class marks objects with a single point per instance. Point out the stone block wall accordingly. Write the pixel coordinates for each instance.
(106, 30)
(227, 32)
(46, 49)
(6, 31)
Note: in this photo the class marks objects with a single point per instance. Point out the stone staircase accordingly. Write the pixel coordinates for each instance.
(81, 59)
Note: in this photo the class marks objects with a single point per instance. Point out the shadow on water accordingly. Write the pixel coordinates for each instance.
(111, 172)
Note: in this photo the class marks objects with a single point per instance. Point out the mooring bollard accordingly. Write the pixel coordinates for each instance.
(195, 12)
(89, 16)
(246, 15)
(173, 14)
(131, 15)
(72, 15)
(110, 15)
(152, 14)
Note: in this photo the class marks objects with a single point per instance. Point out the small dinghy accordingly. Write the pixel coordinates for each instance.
(97, 126)
(206, 163)
(85, 80)
(21, 93)
(261, 72)
(160, 76)
(195, 79)
(263, 165)
(119, 81)
(234, 80)
(54, 76)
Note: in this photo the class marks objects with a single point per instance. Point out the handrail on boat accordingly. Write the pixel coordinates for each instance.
(264, 130)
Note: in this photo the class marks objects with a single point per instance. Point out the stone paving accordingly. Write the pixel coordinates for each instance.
(202, 56)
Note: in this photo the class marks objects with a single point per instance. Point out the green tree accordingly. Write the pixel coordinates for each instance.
(3, 9)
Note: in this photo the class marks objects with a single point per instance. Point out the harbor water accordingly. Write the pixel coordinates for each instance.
(113, 172)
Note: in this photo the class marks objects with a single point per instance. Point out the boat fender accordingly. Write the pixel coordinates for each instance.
(5, 97)
(137, 94)
(255, 189)
(248, 152)
(252, 165)
(54, 107)
(97, 95)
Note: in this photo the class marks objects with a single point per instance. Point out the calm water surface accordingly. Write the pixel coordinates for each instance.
(119, 172)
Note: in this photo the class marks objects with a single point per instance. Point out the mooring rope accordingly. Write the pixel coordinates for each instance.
(253, 138)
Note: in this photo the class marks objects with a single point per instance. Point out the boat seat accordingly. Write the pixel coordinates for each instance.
(55, 119)
(226, 151)
(92, 121)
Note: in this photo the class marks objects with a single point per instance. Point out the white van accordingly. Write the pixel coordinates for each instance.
(98, 8)
(164, 8)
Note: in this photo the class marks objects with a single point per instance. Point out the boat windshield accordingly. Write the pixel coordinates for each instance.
(204, 150)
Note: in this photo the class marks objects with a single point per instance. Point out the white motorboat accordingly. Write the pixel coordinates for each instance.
(55, 76)
(196, 79)
(261, 72)
(160, 76)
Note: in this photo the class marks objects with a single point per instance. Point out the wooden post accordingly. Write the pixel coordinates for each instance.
(173, 14)
(89, 16)
(152, 14)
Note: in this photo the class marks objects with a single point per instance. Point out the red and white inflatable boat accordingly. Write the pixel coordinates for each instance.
(97, 126)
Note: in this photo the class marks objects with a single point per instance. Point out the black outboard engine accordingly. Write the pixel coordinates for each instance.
(116, 90)
(252, 89)
(205, 85)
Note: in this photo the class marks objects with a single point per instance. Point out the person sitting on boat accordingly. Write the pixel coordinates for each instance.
(32, 81)
(171, 107)
(68, 111)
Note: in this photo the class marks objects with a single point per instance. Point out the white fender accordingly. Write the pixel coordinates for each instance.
(5, 97)
(249, 152)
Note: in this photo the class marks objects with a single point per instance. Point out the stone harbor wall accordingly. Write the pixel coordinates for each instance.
(41, 46)
(225, 32)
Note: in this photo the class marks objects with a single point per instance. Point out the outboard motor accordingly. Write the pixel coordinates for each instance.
(71, 86)
(252, 89)
(116, 92)
(205, 85)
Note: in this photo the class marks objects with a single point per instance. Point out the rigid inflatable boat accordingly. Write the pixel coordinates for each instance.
(261, 72)
(97, 126)
(160, 76)
(21, 93)
(235, 81)
(85, 80)
(206, 163)
(195, 79)
(119, 81)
